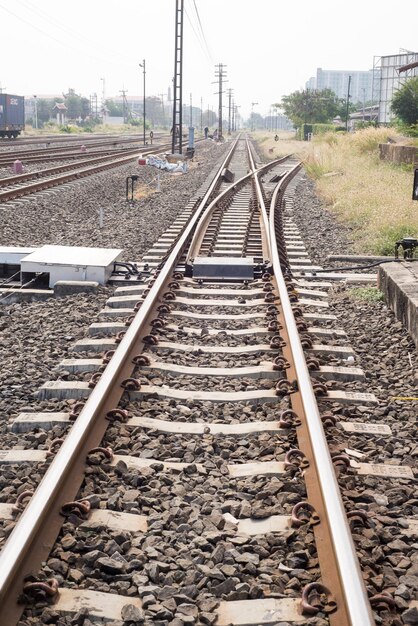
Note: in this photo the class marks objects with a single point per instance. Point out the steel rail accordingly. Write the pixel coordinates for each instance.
(19, 178)
(208, 213)
(50, 155)
(34, 534)
(75, 171)
(263, 211)
(97, 140)
(348, 568)
(102, 163)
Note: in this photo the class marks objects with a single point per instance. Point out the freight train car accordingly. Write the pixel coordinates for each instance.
(12, 115)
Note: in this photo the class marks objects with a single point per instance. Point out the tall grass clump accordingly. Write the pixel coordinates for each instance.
(317, 163)
(367, 140)
(372, 197)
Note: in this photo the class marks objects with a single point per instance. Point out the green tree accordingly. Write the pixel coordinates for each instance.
(85, 107)
(44, 110)
(405, 102)
(114, 109)
(311, 106)
(77, 106)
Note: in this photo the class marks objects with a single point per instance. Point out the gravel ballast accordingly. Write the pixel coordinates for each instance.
(190, 553)
(70, 215)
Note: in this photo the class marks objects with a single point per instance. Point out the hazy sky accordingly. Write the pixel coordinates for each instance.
(270, 47)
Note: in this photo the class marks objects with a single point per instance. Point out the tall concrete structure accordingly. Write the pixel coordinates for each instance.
(361, 87)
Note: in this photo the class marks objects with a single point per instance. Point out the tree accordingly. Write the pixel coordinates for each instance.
(77, 106)
(44, 110)
(405, 102)
(311, 106)
(114, 108)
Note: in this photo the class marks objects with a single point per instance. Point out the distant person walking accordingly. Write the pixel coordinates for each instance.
(206, 131)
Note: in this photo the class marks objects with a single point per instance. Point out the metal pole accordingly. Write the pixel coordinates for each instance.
(178, 77)
(162, 106)
(36, 112)
(364, 98)
(143, 66)
(229, 110)
(348, 103)
(220, 103)
(252, 115)
(191, 111)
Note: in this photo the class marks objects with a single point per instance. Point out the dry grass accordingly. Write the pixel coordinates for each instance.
(144, 191)
(372, 197)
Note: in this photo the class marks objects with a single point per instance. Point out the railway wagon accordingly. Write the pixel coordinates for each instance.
(12, 115)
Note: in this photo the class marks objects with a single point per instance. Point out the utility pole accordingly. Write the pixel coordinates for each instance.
(220, 74)
(252, 114)
(237, 106)
(124, 102)
(177, 129)
(162, 105)
(201, 114)
(229, 109)
(143, 70)
(348, 103)
(364, 99)
(36, 111)
(233, 116)
(191, 111)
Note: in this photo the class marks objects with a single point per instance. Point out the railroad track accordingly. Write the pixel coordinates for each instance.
(23, 184)
(52, 155)
(92, 139)
(198, 440)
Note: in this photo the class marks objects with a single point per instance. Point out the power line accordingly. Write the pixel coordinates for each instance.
(198, 39)
(201, 29)
(59, 41)
(220, 74)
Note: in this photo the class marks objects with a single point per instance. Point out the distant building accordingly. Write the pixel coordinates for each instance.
(361, 86)
(390, 79)
(60, 111)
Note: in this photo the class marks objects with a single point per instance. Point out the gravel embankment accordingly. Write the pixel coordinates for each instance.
(388, 357)
(191, 556)
(36, 336)
(69, 216)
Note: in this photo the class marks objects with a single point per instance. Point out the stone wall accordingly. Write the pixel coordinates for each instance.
(399, 154)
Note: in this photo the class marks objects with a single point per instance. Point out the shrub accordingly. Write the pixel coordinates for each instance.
(388, 235)
(368, 139)
(66, 129)
(368, 294)
(322, 129)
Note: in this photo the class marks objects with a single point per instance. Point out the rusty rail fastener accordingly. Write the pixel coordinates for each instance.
(315, 598)
(304, 513)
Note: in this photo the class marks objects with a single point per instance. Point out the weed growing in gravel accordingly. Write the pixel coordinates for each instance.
(367, 294)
